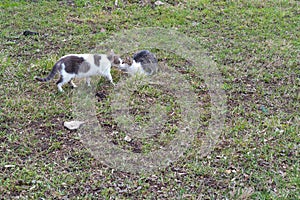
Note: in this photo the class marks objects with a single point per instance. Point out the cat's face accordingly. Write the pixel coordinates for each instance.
(125, 64)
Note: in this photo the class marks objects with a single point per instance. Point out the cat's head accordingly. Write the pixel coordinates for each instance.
(124, 67)
(114, 59)
(125, 63)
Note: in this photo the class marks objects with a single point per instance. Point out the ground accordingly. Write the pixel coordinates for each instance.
(255, 45)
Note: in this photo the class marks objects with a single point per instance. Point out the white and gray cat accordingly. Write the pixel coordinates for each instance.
(82, 66)
(143, 62)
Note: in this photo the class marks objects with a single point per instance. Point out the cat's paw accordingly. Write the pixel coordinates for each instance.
(60, 89)
(88, 83)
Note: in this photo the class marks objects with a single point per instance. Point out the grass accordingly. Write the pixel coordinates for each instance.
(256, 47)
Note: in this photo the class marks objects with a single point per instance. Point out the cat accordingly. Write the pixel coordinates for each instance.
(82, 66)
(143, 62)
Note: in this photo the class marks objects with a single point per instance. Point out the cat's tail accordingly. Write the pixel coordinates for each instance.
(51, 75)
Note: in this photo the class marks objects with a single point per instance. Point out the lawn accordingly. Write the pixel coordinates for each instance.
(229, 81)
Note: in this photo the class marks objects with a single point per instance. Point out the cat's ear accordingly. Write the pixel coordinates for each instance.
(111, 52)
(109, 55)
(117, 60)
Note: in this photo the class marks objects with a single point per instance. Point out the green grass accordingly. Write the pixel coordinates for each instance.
(256, 47)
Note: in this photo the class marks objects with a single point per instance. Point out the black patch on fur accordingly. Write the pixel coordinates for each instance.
(145, 57)
(84, 67)
(60, 80)
(148, 61)
(72, 64)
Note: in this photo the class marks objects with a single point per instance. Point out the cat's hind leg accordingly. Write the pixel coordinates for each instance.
(60, 83)
(63, 80)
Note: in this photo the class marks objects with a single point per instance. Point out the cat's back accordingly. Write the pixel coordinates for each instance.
(84, 56)
(144, 57)
(92, 59)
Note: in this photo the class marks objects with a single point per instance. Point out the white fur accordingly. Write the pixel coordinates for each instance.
(67, 77)
(133, 69)
(103, 70)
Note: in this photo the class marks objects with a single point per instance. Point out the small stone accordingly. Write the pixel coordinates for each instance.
(127, 138)
(73, 125)
(159, 3)
(9, 166)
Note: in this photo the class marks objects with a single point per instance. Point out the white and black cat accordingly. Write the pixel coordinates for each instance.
(82, 66)
(144, 62)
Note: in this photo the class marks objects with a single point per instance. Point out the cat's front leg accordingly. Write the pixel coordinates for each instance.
(109, 77)
(88, 81)
(72, 84)
(59, 86)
